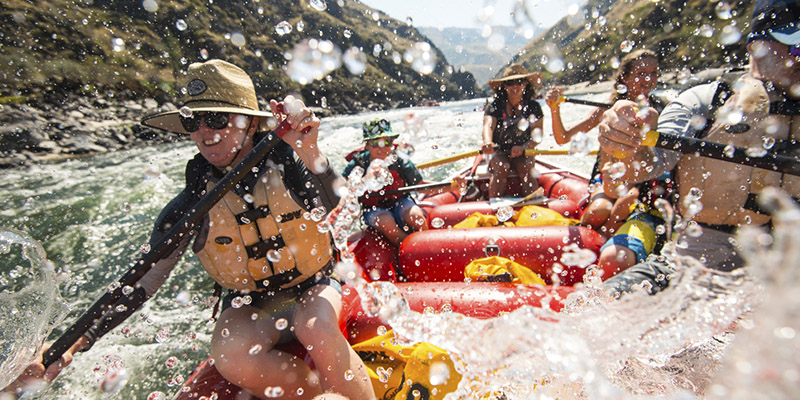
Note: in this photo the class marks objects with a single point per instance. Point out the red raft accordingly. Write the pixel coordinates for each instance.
(478, 300)
(432, 262)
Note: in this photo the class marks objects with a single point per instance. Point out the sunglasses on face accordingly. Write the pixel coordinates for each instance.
(213, 120)
(515, 82)
(380, 142)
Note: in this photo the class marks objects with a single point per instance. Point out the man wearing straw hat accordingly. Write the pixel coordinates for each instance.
(260, 242)
(508, 124)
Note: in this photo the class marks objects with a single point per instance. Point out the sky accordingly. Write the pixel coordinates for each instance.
(464, 13)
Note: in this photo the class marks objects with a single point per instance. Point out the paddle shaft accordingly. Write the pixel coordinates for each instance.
(588, 102)
(461, 156)
(689, 145)
(163, 248)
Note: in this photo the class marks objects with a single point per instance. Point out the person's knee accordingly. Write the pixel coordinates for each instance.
(615, 258)
(415, 218)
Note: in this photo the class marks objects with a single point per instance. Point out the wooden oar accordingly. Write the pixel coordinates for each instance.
(718, 151)
(530, 152)
(166, 245)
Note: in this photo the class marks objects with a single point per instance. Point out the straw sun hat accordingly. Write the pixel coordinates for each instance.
(215, 86)
(517, 71)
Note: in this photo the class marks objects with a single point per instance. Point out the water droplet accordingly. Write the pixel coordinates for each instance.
(281, 324)
(225, 332)
(185, 112)
(117, 44)
(580, 144)
(723, 10)
(348, 33)
(273, 255)
(355, 61)
(504, 213)
(705, 31)
(237, 39)
(437, 222)
(319, 5)
(156, 395)
(382, 330)
(729, 151)
(171, 362)
(114, 381)
(145, 248)
(255, 349)
(150, 6)
(523, 124)
(312, 59)
(301, 26)
(694, 230)
(237, 302)
(768, 142)
(617, 170)
(730, 34)
(756, 151)
(273, 392)
(349, 375)
(283, 28)
(439, 373)
(621, 88)
(626, 46)
(421, 57)
(181, 25)
(162, 335)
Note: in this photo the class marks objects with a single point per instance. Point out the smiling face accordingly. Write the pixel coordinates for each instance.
(642, 78)
(225, 146)
(379, 148)
(515, 88)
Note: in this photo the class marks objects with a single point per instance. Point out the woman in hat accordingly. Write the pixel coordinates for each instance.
(509, 126)
(396, 215)
(635, 78)
(255, 242)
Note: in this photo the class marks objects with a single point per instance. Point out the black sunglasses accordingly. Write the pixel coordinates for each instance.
(214, 120)
(514, 82)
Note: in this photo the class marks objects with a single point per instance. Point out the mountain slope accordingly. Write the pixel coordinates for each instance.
(135, 47)
(692, 34)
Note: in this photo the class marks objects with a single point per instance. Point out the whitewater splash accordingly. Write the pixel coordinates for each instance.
(699, 338)
(30, 303)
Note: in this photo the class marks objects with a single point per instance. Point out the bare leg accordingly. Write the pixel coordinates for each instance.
(500, 167)
(619, 212)
(414, 217)
(317, 328)
(598, 211)
(387, 226)
(614, 259)
(242, 348)
(525, 168)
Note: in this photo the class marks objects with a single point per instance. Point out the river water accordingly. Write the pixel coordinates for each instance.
(92, 215)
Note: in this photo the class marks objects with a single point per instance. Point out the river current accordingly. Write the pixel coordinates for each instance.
(92, 215)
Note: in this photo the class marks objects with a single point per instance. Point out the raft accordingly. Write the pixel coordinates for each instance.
(477, 300)
(428, 269)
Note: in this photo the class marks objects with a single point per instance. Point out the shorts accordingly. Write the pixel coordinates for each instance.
(638, 233)
(400, 207)
(281, 303)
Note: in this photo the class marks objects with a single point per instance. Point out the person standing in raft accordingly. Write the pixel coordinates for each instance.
(397, 215)
(510, 125)
(719, 196)
(255, 242)
(635, 78)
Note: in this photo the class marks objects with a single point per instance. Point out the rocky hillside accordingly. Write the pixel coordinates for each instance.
(77, 75)
(688, 35)
(480, 52)
(136, 48)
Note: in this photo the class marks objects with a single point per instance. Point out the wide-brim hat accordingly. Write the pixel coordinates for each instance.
(377, 129)
(211, 86)
(517, 71)
(777, 20)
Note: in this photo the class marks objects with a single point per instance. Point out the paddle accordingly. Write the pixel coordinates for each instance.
(537, 197)
(461, 156)
(587, 102)
(166, 245)
(717, 151)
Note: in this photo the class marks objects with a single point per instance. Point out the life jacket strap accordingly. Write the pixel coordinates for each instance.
(260, 249)
(252, 215)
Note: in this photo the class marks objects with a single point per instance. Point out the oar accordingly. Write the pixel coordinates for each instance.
(166, 245)
(414, 188)
(530, 152)
(689, 145)
(537, 197)
(587, 102)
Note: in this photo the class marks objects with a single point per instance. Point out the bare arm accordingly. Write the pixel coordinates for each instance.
(489, 123)
(560, 133)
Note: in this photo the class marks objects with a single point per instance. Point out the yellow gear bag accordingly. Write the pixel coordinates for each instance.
(501, 269)
(541, 216)
(400, 372)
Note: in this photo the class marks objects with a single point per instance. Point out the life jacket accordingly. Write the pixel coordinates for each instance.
(379, 198)
(263, 241)
(729, 189)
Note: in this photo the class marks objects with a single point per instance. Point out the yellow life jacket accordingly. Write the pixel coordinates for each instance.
(266, 243)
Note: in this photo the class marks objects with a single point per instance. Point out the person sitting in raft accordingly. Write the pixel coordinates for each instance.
(635, 79)
(719, 196)
(254, 242)
(394, 215)
(510, 126)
